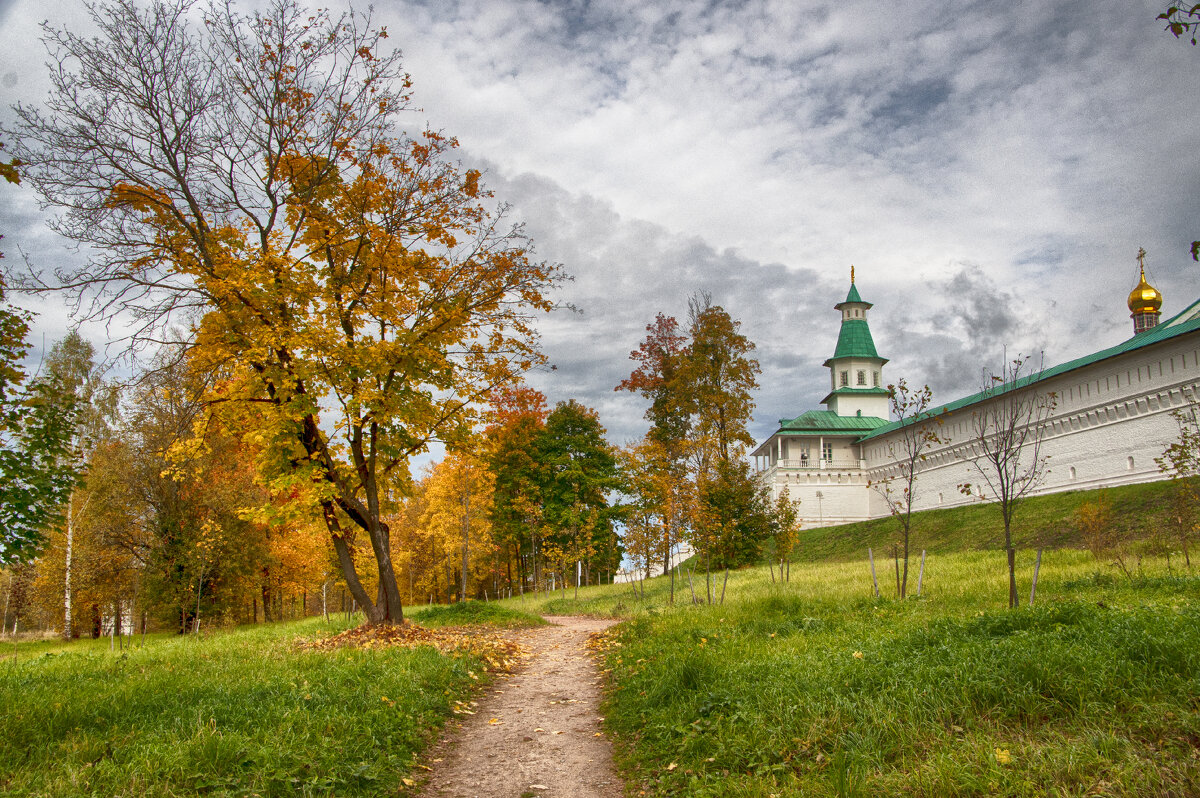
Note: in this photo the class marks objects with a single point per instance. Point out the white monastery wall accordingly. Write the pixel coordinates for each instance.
(1112, 418)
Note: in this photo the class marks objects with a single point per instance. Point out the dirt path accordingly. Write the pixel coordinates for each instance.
(536, 733)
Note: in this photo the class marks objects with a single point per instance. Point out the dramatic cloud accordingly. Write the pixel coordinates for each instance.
(991, 169)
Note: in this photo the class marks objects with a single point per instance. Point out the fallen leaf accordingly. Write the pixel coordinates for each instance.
(672, 766)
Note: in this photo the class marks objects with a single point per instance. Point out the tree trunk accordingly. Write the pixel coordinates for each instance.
(1012, 578)
(346, 559)
(67, 578)
(466, 533)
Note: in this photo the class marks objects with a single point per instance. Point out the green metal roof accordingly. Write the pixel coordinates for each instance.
(854, 340)
(846, 390)
(1186, 322)
(852, 297)
(825, 422)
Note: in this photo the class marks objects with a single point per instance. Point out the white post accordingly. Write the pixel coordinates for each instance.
(874, 581)
(1037, 566)
(921, 575)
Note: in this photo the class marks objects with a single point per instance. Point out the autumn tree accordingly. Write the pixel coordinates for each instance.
(700, 385)
(352, 279)
(785, 529)
(658, 503)
(1007, 430)
(718, 379)
(658, 377)
(917, 431)
(457, 497)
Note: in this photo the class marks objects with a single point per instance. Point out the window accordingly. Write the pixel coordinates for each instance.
(827, 451)
(862, 377)
(1072, 472)
(844, 378)
(876, 379)
(1129, 463)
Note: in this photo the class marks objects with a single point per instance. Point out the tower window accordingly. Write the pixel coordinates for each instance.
(844, 378)
(876, 379)
(862, 377)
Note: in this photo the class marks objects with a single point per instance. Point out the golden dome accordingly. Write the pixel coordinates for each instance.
(1144, 298)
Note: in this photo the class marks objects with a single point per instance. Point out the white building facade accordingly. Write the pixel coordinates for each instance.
(1111, 418)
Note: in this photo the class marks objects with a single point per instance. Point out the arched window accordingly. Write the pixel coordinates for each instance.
(876, 379)
(1071, 471)
(862, 377)
(1129, 462)
(845, 378)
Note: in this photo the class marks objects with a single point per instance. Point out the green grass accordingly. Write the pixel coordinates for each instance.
(1138, 511)
(232, 713)
(1094, 691)
(475, 613)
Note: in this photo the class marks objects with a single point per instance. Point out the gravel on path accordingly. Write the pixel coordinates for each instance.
(537, 733)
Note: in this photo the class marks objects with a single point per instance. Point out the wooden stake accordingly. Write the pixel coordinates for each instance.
(1037, 566)
(921, 575)
(871, 557)
(896, 558)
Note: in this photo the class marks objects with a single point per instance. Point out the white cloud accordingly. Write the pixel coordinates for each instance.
(757, 149)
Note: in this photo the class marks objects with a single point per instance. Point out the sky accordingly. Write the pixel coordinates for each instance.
(990, 170)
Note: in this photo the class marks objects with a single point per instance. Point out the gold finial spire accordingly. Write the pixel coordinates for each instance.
(1144, 298)
(851, 274)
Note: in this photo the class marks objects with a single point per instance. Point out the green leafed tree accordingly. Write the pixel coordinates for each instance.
(580, 472)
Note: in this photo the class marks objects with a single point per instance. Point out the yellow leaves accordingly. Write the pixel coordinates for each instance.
(471, 184)
(857, 655)
(138, 198)
(1003, 757)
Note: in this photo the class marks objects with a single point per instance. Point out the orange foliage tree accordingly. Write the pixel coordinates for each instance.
(353, 280)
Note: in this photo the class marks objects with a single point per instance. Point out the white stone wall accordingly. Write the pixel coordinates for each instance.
(1111, 420)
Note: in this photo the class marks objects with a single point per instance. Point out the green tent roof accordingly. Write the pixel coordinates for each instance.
(852, 298)
(1186, 322)
(854, 340)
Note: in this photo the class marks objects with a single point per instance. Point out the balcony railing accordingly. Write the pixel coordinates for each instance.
(816, 463)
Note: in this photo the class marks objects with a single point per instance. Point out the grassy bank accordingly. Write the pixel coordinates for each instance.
(240, 712)
(817, 688)
(1139, 514)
